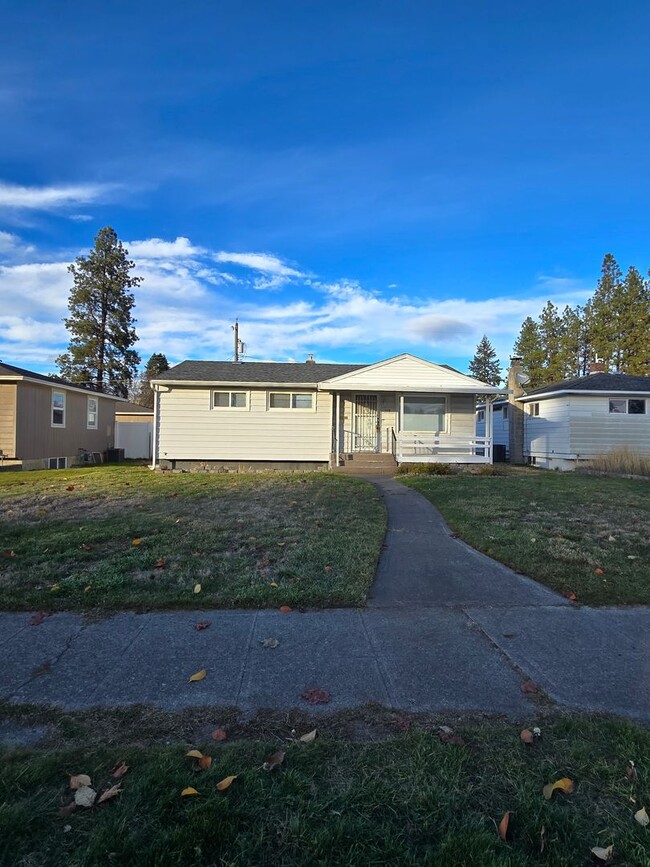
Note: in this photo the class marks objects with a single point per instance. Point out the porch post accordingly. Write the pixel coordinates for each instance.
(489, 426)
(154, 436)
(337, 428)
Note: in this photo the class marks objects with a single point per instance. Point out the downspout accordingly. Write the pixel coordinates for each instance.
(154, 434)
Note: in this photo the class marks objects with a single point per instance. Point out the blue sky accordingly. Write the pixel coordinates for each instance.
(350, 179)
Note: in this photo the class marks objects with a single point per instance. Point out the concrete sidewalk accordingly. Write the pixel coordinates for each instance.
(446, 629)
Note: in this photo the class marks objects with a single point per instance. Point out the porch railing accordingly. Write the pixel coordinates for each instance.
(425, 448)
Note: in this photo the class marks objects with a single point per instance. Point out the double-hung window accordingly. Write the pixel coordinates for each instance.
(58, 409)
(230, 400)
(91, 413)
(533, 409)
(631, 406)
(291, 400)
(424, 413)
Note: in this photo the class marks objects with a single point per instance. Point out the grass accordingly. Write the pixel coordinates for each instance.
(407, 799)
(579, 534)
(262, 540)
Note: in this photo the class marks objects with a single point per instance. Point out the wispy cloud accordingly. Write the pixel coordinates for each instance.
(18, 197)
(264, 262)
(156, 248)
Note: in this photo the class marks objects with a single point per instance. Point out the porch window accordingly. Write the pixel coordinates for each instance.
(229, 400)
(290, 400)
(423, 413)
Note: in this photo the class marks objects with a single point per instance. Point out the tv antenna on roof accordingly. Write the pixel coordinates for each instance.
(240, 346)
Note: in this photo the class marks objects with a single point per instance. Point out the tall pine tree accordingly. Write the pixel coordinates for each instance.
(101, 324)
(635, 325)
(485, 364)
(529, 348)
(156, 365)
(550, 334)
(604, 325)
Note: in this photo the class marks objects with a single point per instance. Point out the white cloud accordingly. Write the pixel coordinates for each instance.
(81, 218)
(49, 198)
(264, 262)
(156, 248)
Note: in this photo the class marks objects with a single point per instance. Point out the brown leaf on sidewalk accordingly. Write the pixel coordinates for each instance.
(563, 785)
(274, 761)
(199, 675)
(269, 642)
(503, 826)
(572, 596)
(530, 687)
(202, 624)
(109, 793)
(219, 735)
(38, 617)
(119, 770)
(317, 696)
(285, 609)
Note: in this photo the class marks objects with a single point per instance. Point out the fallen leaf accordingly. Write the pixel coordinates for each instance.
(67, 828)
(226, 783)
(273, 761)
(85, 547)
(194, 754)
(611, 539)
(642, 817)
(78, 781)
(55, 588)
(285, 609)
(447, 738)
(563, 785)
(85, 796)
(309, 737)
(41, 513)
(88, 588)
(119, 770)
(527, 737)
(38, 618)
(160, 563)
(503, 826)
(198, 676)
(572, 596)
(529, 686)
(137, 542)
(446, 730)
(599, 571)
(188, 790)
(197, 588)
(269, 642)
(316, 696)
(175, 494)
(273, 584)
(603, 854)
(327, 569)
(219, 735)
(109, 793)
(202, 624)
(205, 762)
(631, 771)
(67, 809)
(8, 553)
(70, 488)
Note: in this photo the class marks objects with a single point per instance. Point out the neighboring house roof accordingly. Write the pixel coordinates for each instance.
(11, 372)
(254, 372)
(128, 408)
(593, 383)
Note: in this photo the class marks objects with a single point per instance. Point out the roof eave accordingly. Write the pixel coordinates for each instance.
(545, 394)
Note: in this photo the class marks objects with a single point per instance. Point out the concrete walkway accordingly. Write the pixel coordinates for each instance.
(446, 629)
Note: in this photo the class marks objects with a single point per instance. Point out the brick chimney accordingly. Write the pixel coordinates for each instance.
(310, 360)
(515, 384)
(597, 366)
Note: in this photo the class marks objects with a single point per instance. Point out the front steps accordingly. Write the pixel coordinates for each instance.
(365, 464)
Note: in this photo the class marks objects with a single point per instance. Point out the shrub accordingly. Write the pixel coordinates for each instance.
(424, 470)
(623, 459)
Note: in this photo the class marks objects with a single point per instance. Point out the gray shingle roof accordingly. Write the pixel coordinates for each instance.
(254, 371)
(596, 382)
(12, 370)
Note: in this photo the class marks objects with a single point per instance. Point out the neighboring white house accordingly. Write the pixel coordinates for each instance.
(578, 419)
(500, 427)
(134, 430)
(232, 414)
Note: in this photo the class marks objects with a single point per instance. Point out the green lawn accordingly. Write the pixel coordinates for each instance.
(262, 540)
(579, 534)
(408, 799)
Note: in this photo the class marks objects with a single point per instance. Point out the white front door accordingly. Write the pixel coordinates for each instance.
(366, 427)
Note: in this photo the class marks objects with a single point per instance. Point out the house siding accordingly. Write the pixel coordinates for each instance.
(8, 419)
(37, 440)
(189, 429)
(420, 376)
(595, 431)
(547, 435)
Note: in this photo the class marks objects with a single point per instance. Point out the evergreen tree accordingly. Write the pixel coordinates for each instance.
(604, 326)
(156, 365)
(571, 343)
(529, 348)
(101, 325)
(634, 321)
(485, 364)
(551, 339)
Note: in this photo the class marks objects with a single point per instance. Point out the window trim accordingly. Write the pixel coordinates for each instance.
(90, 426)
(230, 392)
(58, 409)
(290, 408)
(429, 395)
(534, 409)
(626, 402)
(57, 467)
(480, 415)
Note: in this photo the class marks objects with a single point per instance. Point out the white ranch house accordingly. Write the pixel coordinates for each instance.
(223, 414)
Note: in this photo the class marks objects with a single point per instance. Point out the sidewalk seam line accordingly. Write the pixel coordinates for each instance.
(380, 668)
(249, 647)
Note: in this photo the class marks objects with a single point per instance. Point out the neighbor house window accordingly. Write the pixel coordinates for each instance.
(534, 409)
(505, 413)
(230, 399)
(633, 406)
(91, 413)
(480, 415)
(290, 400)
(58, 409)
(57, 463)
(423, 413)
